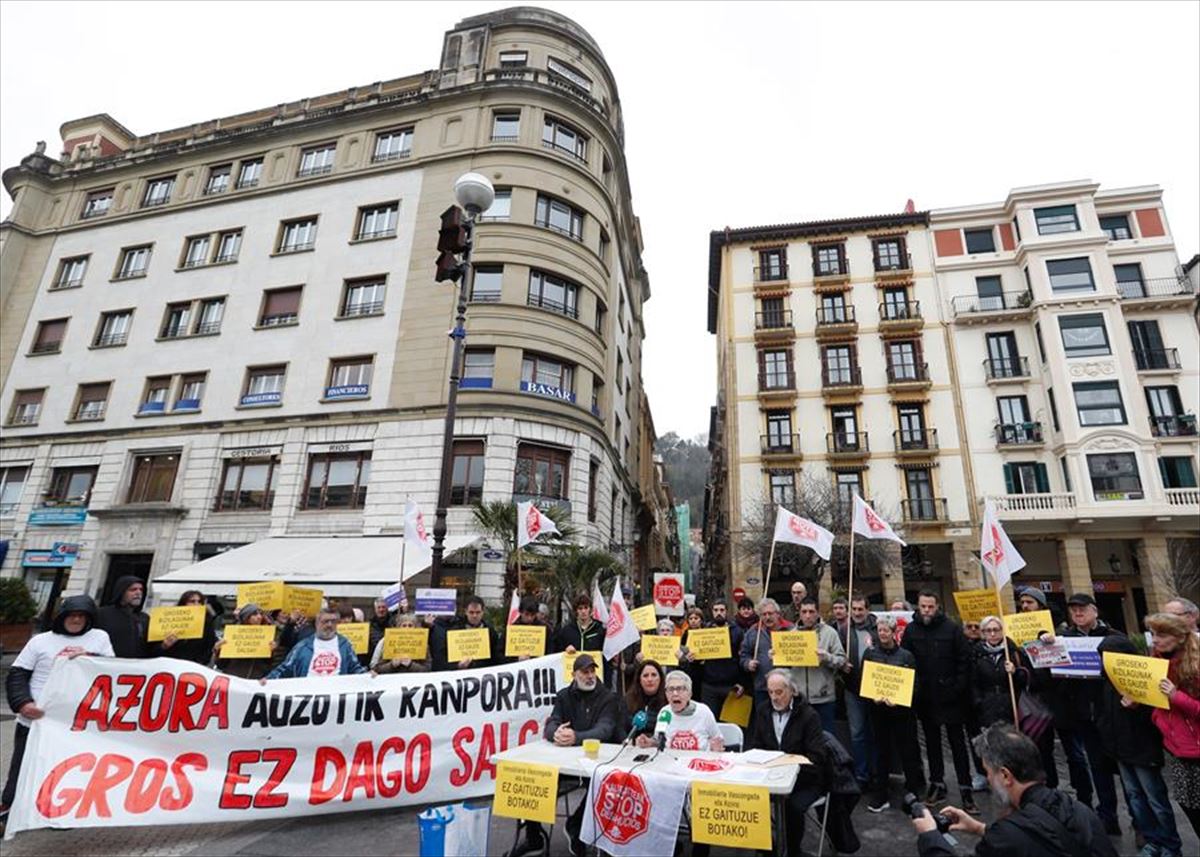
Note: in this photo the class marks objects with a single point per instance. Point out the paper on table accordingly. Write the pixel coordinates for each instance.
(759, 757)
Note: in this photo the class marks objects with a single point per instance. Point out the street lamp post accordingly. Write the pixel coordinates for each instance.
(475, 194)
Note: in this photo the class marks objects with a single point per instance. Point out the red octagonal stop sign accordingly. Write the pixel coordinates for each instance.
(668, 592)
(622, 807)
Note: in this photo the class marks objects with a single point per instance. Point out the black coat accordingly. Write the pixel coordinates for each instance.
(802, 736)
(725, 672)
(595, 714)
(198, 651)
(126, 627)
(1127, 734)
(1073, 700)
(1047, 824)
(853, 680)
(590, 639)
(989, 683)
(943, 668)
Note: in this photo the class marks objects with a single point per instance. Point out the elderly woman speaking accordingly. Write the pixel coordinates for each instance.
(692, 726)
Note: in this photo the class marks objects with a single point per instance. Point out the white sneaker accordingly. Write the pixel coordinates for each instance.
(979, 783)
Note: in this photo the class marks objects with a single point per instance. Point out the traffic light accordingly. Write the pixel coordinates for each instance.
(454, 238)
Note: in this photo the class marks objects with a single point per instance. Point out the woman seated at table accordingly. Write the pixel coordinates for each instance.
(692, 726)
(645, 694)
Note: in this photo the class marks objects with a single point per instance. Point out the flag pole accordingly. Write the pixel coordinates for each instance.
(850, 592)
(1012, 692)
(766, 594)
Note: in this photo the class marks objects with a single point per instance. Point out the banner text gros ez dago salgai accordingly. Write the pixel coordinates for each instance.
(139, 742)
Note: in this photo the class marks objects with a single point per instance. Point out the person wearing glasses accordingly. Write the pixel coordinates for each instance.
(693, 725)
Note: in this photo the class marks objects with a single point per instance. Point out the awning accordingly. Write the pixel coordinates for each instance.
(346, 566)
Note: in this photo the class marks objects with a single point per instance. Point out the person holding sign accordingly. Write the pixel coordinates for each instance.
(382, 665)
(585, 634)
(893, 726)
(1128, 735)
(326, 652)
(527, 617)
(722, 676)
(819, 684)
(249, 615)
(472, 620)
(755, 655)
(198, 650)
(1180, 724)
(788, 724)
(990, 670)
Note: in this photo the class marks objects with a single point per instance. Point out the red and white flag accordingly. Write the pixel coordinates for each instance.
(531, 523)
(514, 608)
(416, 537)
(869, 525)
(996, 552)
(790, 527)
(598, 609)
(620, 632)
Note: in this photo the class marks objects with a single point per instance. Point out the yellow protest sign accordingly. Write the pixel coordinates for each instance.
(794, 648)
(661, 649)
(470, 643)
(248, 641)
(186, 623)
(709, 644)
(268, 595)
(359, 635)
(974, 604)
(736, 709)
(723, 813)
(525, 640)
(1023, 627)
(883, 681)
(643, 617)
(307, 601)
(406, 643)
(1138, 677)
(526, 790)
(569, 664)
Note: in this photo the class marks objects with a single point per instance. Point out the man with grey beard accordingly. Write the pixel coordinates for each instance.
(1037, 821)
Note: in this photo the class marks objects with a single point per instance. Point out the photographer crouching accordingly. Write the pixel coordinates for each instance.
(1037, 821)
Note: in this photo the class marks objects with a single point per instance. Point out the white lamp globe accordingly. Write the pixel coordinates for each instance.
(474, 193)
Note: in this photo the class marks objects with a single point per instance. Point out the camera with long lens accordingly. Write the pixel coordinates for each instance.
(915, 808)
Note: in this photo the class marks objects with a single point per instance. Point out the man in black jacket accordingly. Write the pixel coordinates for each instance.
(720, 676)
(585, 634)
(471, 620)
(861, 636)
(791, 725)
(1041, 822)
(942, 693)
(583, 709)
(893, 725)
(124, 620)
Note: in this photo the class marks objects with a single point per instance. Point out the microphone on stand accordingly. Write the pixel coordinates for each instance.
(660, 728)
(639, 723)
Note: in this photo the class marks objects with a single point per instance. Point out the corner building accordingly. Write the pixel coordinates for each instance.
(230, 331)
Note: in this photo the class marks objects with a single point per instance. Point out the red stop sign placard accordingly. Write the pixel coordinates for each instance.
(622, 807)
(669, 592)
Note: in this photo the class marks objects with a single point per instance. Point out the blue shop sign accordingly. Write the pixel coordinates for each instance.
(62, 555)
(547, 391)
(57, 516)
(262, 398)
(347, 391)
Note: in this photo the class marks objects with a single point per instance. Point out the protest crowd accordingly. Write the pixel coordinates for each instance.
(998, 699)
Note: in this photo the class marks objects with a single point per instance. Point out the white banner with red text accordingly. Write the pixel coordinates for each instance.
(163, 741)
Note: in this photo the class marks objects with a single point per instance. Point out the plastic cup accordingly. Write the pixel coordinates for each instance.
(591, 747)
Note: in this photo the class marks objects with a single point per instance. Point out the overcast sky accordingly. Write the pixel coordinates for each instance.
(736, 114)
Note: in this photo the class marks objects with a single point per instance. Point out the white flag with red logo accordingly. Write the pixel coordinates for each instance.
(620, 632)
(514, 608)
(869, 525)
(416, 537)
(621, 818)
(531, 523)
(792, 528)
(996, 552)
(598, 609)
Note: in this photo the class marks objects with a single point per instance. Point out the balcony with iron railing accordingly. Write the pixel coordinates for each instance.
(1157, 291)
(830, 273)
(833, 321)
(848, 443)
(1157, 359)
(890, 266)
(1003, 305)
(773, 325)
(908, 376)
(1000, 369)
(569, 310)
(841, 379)
(897, 316)
(780, 445)
(776, 384)
(541, 78)
(1176, 425)
(924, 510)
(771, 273)
(915, 441)
(1019, 434)
(108, 340)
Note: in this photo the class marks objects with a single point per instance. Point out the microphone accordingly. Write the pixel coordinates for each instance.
(660, 728)
(639, 723)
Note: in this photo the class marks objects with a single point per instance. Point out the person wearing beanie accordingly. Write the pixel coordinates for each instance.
(247, 614)
(71, 635)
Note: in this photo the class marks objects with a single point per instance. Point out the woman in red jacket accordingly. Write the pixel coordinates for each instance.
(1180, 724)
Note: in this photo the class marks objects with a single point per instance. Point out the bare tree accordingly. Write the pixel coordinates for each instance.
(818, 500)
(1181, 574)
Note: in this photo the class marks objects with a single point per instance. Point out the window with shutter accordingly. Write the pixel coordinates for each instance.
(281, 306)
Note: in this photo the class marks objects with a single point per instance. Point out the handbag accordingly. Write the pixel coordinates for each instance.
(1035, 715)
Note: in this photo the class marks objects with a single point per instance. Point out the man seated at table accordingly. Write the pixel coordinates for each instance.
(790, 724)
(583, 709)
